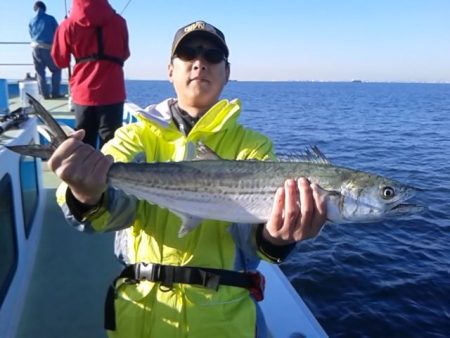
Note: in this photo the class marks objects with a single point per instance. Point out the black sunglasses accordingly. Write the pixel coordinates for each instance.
(210, 55)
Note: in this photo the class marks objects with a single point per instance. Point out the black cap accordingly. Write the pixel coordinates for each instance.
(200, 28)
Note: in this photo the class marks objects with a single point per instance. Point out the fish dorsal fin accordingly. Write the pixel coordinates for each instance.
(199, 152)
(311, 154)
(315, 155)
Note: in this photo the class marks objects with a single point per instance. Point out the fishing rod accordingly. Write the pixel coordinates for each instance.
(123, 10)
(12, 119)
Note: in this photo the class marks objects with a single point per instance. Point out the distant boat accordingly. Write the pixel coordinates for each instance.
(356, 81)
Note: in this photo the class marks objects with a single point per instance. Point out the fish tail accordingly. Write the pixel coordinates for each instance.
(56, 133)
(34, 150)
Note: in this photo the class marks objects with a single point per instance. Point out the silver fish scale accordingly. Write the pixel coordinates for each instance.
(237, 191)
(225, 177)
(228, 190)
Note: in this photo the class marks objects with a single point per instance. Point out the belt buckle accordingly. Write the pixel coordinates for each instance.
(258, 285)
(148, 271)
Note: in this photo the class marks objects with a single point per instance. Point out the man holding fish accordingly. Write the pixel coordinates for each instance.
(204, 283)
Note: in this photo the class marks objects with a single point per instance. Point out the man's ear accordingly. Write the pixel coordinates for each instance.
(170, 72)
(228, 71)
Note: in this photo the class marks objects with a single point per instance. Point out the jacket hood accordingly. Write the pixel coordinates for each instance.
(89, 13)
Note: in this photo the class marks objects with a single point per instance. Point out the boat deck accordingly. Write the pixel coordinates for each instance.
(72, 270)
(68, 284)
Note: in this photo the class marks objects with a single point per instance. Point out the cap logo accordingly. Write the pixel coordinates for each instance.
(199, 25)
(207, 30)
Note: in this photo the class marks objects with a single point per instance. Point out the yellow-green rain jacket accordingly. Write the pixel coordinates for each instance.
(148, 233)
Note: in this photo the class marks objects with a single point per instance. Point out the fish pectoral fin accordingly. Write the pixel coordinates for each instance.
(188, 223)
(328, 193)
(205, 153)
(200, 152)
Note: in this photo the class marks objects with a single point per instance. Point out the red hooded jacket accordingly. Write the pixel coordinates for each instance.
(96, 82)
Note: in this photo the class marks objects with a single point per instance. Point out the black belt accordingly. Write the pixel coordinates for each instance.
(167, 275)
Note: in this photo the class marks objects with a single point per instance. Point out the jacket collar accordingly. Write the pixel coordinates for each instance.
(215, 119)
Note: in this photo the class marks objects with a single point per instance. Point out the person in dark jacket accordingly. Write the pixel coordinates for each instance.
(42, 30)
(97, 37)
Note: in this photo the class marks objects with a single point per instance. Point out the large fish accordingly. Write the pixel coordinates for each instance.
(243, 191)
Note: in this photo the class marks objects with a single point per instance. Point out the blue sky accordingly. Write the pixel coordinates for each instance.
(321, 40)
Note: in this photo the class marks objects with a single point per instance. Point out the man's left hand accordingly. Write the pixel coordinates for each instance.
(298, 213)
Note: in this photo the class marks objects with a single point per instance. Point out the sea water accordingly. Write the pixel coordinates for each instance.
(385, 279)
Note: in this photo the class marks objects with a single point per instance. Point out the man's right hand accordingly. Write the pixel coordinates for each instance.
(82, 167)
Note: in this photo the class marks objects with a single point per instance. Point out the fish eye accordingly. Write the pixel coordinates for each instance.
(387, 192)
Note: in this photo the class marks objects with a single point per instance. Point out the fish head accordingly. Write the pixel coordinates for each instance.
(365, 198)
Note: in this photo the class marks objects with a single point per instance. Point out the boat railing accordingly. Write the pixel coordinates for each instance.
(9, 60)
(15, 63)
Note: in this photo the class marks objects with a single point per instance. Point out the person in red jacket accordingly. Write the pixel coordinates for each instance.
(97, 37)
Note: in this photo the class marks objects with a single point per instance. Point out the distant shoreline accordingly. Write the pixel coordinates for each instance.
(315, 81)
(64, 80)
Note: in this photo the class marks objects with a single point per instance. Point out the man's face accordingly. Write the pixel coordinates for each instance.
(199, 80)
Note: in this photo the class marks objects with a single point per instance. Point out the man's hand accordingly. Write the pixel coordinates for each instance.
(298, 213)
(82, 167)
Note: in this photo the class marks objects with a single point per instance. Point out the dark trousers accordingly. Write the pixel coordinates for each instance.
(98, 121)
(42, 59)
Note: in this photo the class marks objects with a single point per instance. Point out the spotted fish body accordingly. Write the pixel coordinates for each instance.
(243, 191)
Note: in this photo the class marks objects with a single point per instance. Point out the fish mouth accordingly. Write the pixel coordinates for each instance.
(406, 208)
(400, 207)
